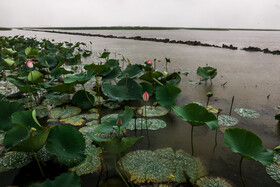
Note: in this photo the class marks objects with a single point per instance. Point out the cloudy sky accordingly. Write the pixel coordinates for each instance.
(172, 13)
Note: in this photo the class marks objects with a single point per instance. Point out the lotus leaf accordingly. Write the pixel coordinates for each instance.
(134, 89)
(159, 165)
(42, 111)
(58, 71)
(131, 71)
(113, 63)
(247, 113)
(22, 86)
(63, 180)
(152, 111)
(166, 96)
(67, 144)
(80, 78)
(248, 145)
(79, 119)
(212, 182)
(273, 170)
(207, 72)
(112, 75)
(56, 99)
(64, 112)
(118, 93)
(64, 88)
(173, 79)
(5, 115)
(105, 54)
(196, 115)
(99, 70)
(35, 76)
(149, 77)
(147, 87)
(226, 120)
(13, 160)
(112, 104)
(83, 99)
(153, 124)
(9, 61)
(91, 163)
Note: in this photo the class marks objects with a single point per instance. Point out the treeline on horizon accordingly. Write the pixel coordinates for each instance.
(5, 28)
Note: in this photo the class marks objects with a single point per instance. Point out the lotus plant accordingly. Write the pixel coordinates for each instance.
(146, 99)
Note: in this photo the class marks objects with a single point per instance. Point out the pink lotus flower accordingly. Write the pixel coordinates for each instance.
(29, 64)
(2, 48)
(149, 62)
(119, 122)
(146, 96)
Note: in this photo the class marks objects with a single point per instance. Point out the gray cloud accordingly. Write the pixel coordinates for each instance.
(179, 13)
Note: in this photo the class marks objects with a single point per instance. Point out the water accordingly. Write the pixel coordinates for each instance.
(250, 77)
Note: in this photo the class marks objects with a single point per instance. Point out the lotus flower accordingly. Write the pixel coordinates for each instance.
(146, 96)
(149, 62)
(119, 122)
(29, 64)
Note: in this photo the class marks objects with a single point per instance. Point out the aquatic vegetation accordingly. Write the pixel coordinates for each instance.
(207, 73)
(152, 111)
(152, 124)
(248, 145)
(196, 115)
(212, 182)
(166, 95)
(273, 170)
(247, 113)
(227, 121)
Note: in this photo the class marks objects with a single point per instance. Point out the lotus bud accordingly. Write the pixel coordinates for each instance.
(149, 62)
(29, 64)
(165, 73)
(146, 96)
(209, 94)
(2, 48)
(119, 122)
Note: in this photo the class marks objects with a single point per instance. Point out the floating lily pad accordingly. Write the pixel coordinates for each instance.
(159, 165)
(212, 182)
(79, 119)
(193, 82)
(2, 135)
(55, 99)
(91, 163)
(91, 130)
(247, 113)
(274, 169)
(83, 100)
(147, 166)
(153, 124)
(112, 105)
(64, 112)
(42, 111)
(152, 111)
(226, 120)
(13, 160)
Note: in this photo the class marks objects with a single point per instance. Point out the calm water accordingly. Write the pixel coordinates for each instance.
(250, 77)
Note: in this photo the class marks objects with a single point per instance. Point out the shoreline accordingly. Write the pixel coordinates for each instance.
(165, 40)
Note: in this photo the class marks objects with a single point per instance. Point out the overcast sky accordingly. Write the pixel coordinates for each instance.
(172, 13)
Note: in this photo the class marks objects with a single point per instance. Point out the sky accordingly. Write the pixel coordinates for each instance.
(258, 14)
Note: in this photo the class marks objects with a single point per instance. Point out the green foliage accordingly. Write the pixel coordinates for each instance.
(67, 144)
(248, 145)
(227, 121)
(212, 182)
(5, 115)
(83, 99)
(247, 113)
(117, 93)
(63, 180)
(196, 115)
(80, 78)
(131, 71)
(35, 76)
(166, 95)
(134, 89)
(64, 112)
(207, 72)
(273, 170)
(152, 111)
(153, 124)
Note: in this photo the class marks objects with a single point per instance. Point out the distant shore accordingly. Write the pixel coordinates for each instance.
(150, 28)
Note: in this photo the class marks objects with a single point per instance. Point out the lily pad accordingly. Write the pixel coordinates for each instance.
(42, 111)
(132, 71)
(91, 163)
(248, 145)
(152, 111)
(79, 119)
(153, 124)
(226, 120)
(56, 99)
(274, 169)
(112, 105)
(13, 160)
(159, 165)
(114, 92)
(90, 130)
(64, 112)
(247, 113)
(212, 182)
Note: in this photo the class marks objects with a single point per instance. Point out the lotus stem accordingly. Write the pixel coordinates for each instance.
(240, 171)
(87, 96)
(36, 158)
(124, 170)
(232, 100)
(216, 137)
(147, 130)
(119, 134)
(157, 81)
(208, 99)
(166, 66)
(192, 139)
(210, 81)
(115, 165)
